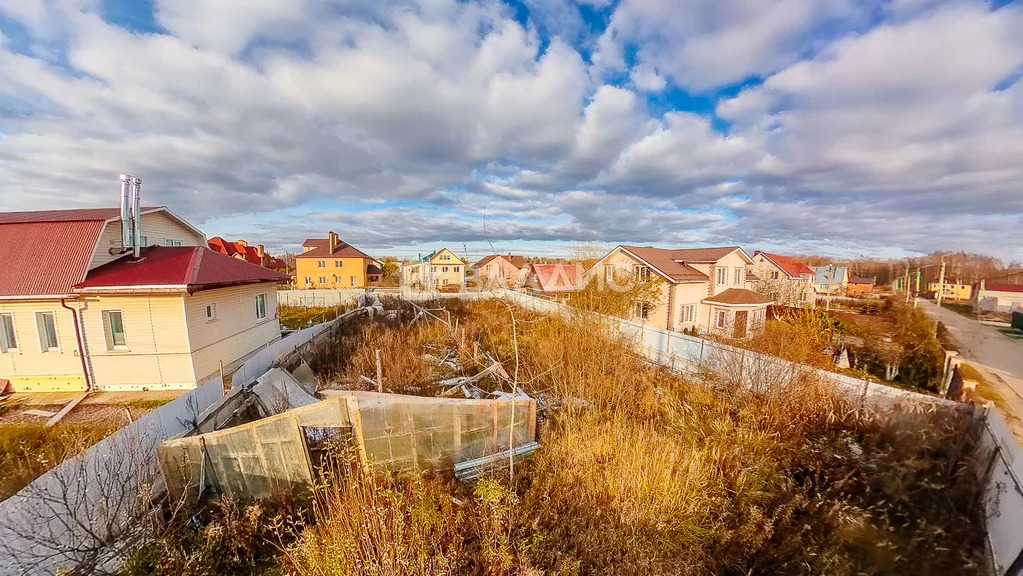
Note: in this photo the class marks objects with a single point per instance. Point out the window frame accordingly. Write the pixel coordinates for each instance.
(323, 279)
(722, 276)
(353, 281)
(721, 319)
(321, 263)
(210, 310)
(737, 276)
(5, 345)
(687, 313)
(108, 329)
(56, 331)
(339, 264)
(261, 300)
(641, 273)
(642, 310)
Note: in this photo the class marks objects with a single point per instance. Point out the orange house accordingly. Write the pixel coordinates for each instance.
(333, 263)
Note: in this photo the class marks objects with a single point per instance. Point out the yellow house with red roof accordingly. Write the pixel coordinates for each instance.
(79, 311)
(332, 263)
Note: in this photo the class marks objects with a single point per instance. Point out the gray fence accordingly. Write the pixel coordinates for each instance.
(80, 510)
(1001, 455)
(317, 298)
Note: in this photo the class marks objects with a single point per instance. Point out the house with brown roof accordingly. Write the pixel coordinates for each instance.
(702, 289)
(558, 280)
(333, 263)
(498, 270)
(80, 310)
(787, 281)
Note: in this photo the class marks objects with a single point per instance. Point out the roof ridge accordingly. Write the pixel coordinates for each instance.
(193, 264)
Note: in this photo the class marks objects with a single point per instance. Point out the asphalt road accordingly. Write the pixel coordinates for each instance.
(997, 356)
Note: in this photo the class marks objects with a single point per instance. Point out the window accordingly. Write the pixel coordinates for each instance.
(433, 268)
(321, 264)
(722, 275)
(774, 275)
(211, 312)
(171, 242)
(445, 257)
(457, 268)
(737, 277)
(113, 327)
(444, 269)
(338, 263)
(444, 282)
(47, 327)
(487, 268)
(323, 279)
(353, 280)
(260, 306)
(642, 310)
(609, 274)
(641, 273)
(144, 241)
(722, 320)
(308, 280)
(8, 338)
(688, 313)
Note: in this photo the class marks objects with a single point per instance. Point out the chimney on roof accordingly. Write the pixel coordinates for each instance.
(332, 242)
(260, 250)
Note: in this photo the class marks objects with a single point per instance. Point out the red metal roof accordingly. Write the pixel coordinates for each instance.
(45, 257)
(249, 253)
(994, 287)
(789, 265)
(77, 215)
(196, 267)
(558, 277)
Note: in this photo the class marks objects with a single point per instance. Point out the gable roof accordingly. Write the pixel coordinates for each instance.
(739, 297)
(790, 266)
(193, 267)
(237, 248)
(558, 277)
(672, 263)
(822, 274)
(515, 260)
(342, 250)
(47, 252)
(862, 280)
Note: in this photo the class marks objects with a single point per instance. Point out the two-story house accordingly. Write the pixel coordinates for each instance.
(433, 271)
(332, 263)
(787, 281)
(703, 289)
(80, 311)
(830, 280)
(498, 270)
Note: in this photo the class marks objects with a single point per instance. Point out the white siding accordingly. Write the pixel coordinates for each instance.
(29, 368)
(157, 227)
(236, 332)
(156, 354)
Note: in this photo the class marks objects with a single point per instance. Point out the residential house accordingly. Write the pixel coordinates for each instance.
(830, 280)
(787, 281)
(951, 290)
(703, 289)
(998, 297)
(243, 251)
(859, 285)
(79, 311)
(556, 280)
(332, 263)
(498, 270)
(433, 271)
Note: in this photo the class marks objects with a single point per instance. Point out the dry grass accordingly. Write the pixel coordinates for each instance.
(28, 450)
(644, 472)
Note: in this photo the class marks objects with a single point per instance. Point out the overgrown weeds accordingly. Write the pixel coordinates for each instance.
(641, 471)
(28, 450)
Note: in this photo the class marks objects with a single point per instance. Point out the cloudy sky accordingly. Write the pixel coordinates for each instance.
(845, 126)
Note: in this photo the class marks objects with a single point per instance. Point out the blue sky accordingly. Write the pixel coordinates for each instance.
(844, 126)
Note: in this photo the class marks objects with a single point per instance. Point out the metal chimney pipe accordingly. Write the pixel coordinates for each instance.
(136, 216)
(126, 233)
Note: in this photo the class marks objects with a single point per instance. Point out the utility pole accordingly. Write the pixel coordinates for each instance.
(905, 284)
(831, 280)
(941, 281)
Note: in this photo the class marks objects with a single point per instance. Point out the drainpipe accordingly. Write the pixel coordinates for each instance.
(81, 349)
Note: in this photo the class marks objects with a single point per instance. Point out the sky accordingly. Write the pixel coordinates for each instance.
(850, 127)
